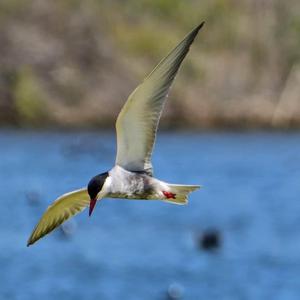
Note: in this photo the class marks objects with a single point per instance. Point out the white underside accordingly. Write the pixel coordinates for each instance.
(131, 185)
(139, 186)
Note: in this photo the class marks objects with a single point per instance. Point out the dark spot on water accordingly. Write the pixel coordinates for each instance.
(210, 240)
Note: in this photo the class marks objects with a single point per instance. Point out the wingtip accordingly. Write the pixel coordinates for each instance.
(199, 26)
(29, 242)
(195, 31)
(202, 24)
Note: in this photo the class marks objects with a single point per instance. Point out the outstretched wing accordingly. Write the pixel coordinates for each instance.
(65, 207)
(138, 120)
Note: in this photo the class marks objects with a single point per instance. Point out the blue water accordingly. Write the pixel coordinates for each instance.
(138, 249)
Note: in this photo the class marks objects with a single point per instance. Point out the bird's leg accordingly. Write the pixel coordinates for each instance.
(169, 195)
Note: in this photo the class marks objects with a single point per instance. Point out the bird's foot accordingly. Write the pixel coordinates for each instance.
(169, 195)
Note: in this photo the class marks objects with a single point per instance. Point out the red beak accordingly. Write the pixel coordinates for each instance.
(92, 205)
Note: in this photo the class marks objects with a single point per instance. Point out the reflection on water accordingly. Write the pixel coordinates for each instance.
(149, 250)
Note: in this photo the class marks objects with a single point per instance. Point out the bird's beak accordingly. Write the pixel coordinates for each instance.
(92, 205)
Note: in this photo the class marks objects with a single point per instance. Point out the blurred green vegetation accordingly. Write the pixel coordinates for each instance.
(29, 100)
(73, 63)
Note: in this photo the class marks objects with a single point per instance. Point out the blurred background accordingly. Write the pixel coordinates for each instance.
(231, 124)
(73, 63)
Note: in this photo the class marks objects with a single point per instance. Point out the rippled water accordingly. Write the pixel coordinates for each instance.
(138, 249)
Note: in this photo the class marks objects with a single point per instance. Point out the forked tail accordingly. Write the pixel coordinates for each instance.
(179, 193)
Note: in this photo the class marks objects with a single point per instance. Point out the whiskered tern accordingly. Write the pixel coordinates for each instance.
(136, 126)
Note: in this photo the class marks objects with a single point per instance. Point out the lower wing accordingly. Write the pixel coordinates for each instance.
(63, 208)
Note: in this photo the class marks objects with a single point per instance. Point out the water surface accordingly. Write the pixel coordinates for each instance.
(137, 249)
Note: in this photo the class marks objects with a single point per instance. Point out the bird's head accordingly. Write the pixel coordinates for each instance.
(95, 186)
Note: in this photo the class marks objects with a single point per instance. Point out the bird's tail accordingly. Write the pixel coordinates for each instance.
(179, 193)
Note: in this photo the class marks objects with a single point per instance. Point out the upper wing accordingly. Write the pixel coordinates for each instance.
(138, 120)
(62, 209)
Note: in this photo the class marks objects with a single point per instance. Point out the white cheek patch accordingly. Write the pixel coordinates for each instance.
(105, 188)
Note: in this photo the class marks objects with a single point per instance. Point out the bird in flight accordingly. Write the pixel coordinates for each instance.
(136, 127)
